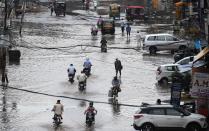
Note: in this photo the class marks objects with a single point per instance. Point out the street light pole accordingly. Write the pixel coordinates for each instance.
(5, 16)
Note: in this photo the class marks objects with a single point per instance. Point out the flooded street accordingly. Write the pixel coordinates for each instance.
(48, 46)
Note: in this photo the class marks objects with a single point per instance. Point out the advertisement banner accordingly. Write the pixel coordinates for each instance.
(200, 85)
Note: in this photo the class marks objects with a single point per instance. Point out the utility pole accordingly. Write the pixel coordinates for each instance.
(23, 13)
(208, 28)
(5, 16)
(208, 18)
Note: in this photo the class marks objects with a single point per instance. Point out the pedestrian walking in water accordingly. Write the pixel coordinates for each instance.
(51, 8)
(4, 76)
(138, 38)
(122, 25)
(118, 66)
(128, 30)
(197, 45)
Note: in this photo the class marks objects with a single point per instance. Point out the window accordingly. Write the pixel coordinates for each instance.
(157, 112)
(160, 38)
(171, 68)
(144, 111)
(185, 61)
(173, 112)
(170, 38)
(151, 38)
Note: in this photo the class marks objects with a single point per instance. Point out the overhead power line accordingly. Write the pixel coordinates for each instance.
(66, 97)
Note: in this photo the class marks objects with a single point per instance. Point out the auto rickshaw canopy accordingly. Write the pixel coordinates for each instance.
(114, 6)
(179, 4)
(135, 7)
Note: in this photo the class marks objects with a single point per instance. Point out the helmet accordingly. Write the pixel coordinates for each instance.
(71, 64)
(158, 101)
(91, 104)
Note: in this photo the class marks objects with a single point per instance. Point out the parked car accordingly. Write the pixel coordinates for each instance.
(182, 54)
(160, 42)
(185, 64)
(154, 117)
(108, 27)
(164, 72)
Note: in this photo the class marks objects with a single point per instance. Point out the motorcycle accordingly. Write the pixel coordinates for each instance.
(71, 79)
(103, 48)
(57, 119)
(81, 86)
(89, 118)
(94, 32)
(87, 71)
(114, 94)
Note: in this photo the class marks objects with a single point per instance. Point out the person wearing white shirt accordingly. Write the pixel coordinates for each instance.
(138, 38)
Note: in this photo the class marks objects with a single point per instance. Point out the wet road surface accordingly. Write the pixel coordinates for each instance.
(49, 45)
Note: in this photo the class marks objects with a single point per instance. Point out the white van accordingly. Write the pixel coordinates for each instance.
(159, 42)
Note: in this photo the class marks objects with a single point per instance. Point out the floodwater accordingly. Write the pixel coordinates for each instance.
(48, 45)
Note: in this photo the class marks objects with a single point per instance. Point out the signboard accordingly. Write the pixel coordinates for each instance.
(176, 93)
(200, 85)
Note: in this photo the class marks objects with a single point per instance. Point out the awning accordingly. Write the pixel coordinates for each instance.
(136, 7)
(178, 4)
(202, 54)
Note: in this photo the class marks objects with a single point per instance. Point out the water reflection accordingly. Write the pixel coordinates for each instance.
(92, 128)
(115, 106)
(128, 41)
(110, 39)
(16, 62)
(5, 113)
(82, 104)
(59, 128)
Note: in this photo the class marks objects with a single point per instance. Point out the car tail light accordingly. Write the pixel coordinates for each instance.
(138, 116)
(158, 71)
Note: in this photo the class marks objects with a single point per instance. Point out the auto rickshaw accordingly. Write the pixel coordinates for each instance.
(134, 13)
(114, 11)
(60, 8)
(108, 27)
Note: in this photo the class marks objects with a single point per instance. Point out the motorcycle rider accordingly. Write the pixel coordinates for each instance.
(94, 30)
(58, 109)
(71, 71)
(92, 110)
(82, 78)
(87, 65)
(103, 43)
(116, 83)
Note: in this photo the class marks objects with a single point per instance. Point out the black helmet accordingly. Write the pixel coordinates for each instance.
(91, 104)
(71, 64)
(158, 101)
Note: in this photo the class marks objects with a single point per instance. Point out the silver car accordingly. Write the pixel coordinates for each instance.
(160, 42)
